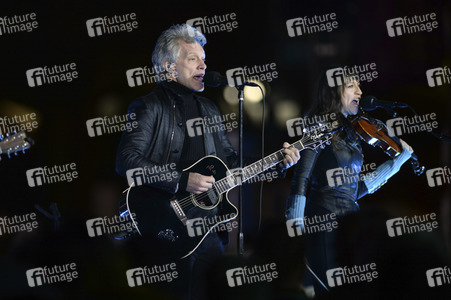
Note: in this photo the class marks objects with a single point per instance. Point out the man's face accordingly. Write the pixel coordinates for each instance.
(191, 66)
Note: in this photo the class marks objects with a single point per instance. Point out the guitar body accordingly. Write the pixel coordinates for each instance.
(178, 224)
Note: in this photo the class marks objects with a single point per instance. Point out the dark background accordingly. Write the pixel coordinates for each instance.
(261, 38)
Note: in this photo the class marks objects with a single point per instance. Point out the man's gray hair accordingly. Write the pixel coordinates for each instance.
(168, 47)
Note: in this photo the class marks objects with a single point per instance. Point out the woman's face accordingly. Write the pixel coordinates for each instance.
(350, 97)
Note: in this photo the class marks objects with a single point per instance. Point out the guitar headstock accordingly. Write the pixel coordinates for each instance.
(14, 143)
(320, 135)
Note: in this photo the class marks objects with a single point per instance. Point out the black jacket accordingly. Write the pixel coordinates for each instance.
(311, 176)
(160, 134)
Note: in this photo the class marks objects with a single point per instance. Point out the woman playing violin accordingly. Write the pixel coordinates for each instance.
(317, 194)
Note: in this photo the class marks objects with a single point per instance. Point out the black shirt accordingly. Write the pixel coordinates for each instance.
(193, 146)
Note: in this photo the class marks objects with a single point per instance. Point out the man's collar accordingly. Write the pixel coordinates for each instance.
(178, 89)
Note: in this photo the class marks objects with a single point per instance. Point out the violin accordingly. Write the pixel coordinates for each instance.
(375, 133)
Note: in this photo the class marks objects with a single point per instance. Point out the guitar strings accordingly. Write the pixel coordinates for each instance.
(187, 201)
(216, 187)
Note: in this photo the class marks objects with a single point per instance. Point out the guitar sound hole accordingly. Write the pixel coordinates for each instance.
(208, 199)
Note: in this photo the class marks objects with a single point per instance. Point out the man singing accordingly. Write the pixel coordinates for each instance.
(162, 138)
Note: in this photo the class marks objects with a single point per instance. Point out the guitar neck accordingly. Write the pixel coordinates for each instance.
(268, 162)
(229, 182)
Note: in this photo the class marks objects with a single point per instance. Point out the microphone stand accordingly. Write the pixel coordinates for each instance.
(240, 89)
(417, 168)
(439, 136)
(215, 79)
(391, 112)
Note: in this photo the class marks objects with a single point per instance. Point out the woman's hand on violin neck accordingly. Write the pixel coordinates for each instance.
(406, 146)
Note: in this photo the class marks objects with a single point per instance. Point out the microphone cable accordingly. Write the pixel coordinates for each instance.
(260, 205)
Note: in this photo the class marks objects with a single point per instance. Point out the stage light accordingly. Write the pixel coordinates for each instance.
(253, 94)
(284, 110)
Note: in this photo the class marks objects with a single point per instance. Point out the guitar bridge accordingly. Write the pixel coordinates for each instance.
(178, 211)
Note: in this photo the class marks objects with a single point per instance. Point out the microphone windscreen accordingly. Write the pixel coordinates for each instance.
(213, 79)
(368, 103)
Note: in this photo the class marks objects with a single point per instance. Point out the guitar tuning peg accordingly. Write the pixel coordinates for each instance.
(7, 135)
(1, 136)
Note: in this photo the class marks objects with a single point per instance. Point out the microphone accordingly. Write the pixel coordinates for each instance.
(371, 103)
(214, 79)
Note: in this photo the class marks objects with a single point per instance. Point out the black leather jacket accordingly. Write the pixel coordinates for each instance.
(160, 134)
(312, 169)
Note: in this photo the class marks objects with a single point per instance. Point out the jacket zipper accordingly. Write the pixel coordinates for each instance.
(172, 134)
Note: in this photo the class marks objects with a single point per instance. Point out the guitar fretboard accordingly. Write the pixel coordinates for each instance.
(238, 177)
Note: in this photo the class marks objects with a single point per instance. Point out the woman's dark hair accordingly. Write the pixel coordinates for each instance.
(327, 100)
